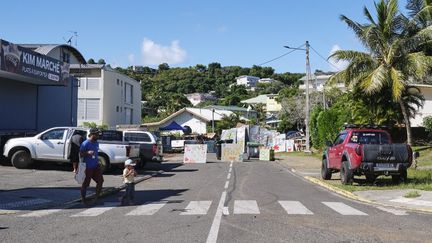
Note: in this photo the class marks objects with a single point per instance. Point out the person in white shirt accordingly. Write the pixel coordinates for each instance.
(129, 174)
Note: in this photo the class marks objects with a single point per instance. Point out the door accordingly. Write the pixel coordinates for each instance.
(335, 151)
(51, 144)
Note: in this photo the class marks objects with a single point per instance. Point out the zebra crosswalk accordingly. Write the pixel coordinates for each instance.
(239, 207)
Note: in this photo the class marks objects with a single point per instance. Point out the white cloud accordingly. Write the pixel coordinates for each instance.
(131, 58)
(334, 64)
(155, 54)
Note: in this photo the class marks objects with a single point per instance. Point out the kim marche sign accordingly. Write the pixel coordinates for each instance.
(19, 60)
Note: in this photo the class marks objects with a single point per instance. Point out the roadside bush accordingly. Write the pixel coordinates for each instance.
(313, 126)
(329, 124)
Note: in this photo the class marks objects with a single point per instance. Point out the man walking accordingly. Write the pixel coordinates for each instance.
(89, 153)
(76, 142)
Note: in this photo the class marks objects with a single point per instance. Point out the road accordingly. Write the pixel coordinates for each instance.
(221, 202)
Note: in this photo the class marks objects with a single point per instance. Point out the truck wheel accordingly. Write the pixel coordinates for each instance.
(142, 163)
(103, 163)
(402, 177)
(21, 159)
(325, 172)
(346, 174)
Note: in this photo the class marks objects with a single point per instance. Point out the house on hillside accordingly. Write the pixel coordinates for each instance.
(266, 80)
(318, 83)
(243, 113)
(196, 118)
(197, 98)
(250, 82)
(270, 105)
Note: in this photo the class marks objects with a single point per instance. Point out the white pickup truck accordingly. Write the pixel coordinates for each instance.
(54, 145)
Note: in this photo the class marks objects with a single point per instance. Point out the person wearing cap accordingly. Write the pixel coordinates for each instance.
(89, 152)
(129, 174)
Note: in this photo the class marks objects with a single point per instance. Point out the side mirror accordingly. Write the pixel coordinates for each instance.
(416, 154)
(328, 143)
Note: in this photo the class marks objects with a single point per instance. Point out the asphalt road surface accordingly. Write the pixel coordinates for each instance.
(221, 202)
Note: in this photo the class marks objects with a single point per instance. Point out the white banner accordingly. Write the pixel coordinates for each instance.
(195, 153)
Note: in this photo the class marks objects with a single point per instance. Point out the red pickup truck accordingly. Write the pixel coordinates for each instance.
(365, 150)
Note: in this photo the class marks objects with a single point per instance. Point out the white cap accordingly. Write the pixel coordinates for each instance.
(129, 162)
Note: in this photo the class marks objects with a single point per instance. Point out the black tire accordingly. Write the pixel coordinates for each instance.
(142, 163)
(346, 174)
(402, 177)
(21, 159)
(103, 163)
(325, 172)
(370, 178)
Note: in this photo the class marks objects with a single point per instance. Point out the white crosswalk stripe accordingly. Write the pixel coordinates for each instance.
(96, 211)
(40, 213)
(146, 209)
(197, 208)
(246, 207)
(294, 207)
(343, 209)
(394, 211)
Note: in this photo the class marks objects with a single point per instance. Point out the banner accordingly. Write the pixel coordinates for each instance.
(290, 145)
(241, 137)
(232, 152)
(195, 153)
(230, 134)
(264, 154)
(19, 60)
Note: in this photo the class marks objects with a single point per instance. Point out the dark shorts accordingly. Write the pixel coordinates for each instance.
(95, 174)
(74, 158)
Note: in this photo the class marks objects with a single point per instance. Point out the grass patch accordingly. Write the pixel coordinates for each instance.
(417, 179)
(425, 158)
(412, 194)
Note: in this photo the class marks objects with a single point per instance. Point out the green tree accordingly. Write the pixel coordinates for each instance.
(101, 61)
(393, 59)
(227, 122)
(91, 61)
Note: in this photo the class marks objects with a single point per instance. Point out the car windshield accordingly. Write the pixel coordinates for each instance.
(369, 138)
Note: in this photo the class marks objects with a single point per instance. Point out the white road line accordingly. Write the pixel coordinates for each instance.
(226, 185)
(229, 176)
(197, 208)
(41, 213)
(92, 212)
(294, 207)
(246, 207)
(393, 211)
(230, 169)
(146, 209)
(214, 230)
(343, 209)
(225, 211)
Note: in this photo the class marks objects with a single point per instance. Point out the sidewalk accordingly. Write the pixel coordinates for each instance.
(310, 167)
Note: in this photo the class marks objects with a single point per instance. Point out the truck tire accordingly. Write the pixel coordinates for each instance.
(346, 174)
(142, 163)
(370, 178)
(325, 172)
(21, 159)
(103, 163)
(402, 177)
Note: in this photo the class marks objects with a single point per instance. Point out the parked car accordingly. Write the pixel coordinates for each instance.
(150, 147)
(54, 145)
(365, 151)
(293, 134)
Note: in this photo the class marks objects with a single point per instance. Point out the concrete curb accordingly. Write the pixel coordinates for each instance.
(352, 196)
(112, 190)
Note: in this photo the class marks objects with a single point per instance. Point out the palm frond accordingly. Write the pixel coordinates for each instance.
(375, 80)
(397, 84)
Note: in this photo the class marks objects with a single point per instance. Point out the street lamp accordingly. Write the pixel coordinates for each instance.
(308, 76)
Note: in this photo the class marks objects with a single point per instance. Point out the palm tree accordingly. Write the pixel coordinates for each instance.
(394, 59)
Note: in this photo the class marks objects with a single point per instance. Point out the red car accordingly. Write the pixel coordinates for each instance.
(365, 150)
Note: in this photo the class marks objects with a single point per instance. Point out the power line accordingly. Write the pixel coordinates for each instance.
(325, 59)
(276, 58)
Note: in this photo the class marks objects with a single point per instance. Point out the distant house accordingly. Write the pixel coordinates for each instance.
(244, 113)
(266, 80)
(250, 82)
(196, 98)
(197, 119)
(426, 90)
(318, 83)
(267, 100)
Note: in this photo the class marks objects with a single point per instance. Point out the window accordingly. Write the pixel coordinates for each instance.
(117, 109)
(65, 57)
(340, 139)
(128, 116)
(53, 134)
(93, 83)
(88, 109)
(137, 137)
(128, 99)
(118, 82)
(369, 138)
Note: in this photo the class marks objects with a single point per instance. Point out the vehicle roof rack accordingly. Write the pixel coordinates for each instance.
(372, 126)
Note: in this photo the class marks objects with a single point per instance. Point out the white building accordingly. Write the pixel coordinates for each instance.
(106, 96)
(318, 83)
(196, 98)
(268, 101)
(266, 81)
(250, 82)
(426, 90)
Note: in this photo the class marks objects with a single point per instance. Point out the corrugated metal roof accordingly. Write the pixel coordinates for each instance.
(45, 49)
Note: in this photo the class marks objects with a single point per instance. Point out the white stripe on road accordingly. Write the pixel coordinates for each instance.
(343, 209)
(214, 230)
(146, 209)
(197, 208)
(246, 207)
(294, 207)
(393, 211)
(226, 185)
(41, 213)
(230, 170)
(92, 212)
(229, 176)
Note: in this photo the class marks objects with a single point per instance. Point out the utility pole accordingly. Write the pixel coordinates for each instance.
(308, 79)
(213, 125)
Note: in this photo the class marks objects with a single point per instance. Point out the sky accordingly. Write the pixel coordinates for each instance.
(186, 33)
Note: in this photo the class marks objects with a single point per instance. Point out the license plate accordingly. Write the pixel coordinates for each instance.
(385, 165)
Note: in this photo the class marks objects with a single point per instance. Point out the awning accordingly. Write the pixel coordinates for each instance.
(173, 126)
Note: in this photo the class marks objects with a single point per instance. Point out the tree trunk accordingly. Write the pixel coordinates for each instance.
(407, 122)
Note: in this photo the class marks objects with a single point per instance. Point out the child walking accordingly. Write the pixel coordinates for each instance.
(129, 174)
